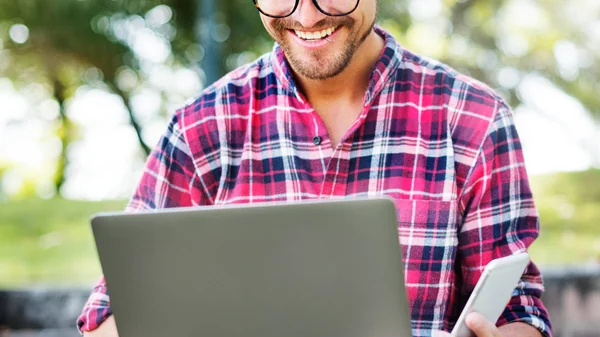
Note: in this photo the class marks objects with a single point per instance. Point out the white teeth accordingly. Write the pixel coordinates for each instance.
(315, 35)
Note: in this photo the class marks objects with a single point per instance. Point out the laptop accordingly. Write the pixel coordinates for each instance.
(307, 269)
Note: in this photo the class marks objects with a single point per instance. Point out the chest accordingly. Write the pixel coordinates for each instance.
(303, 154)
(338, 119)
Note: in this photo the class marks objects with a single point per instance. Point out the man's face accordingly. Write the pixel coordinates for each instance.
(321, 58)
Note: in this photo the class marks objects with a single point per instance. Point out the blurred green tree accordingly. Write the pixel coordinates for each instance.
(54, 43)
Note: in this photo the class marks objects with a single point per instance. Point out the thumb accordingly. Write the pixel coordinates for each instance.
(480, 326)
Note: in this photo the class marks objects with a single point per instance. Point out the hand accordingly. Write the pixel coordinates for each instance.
(107, 329)
(480, 326)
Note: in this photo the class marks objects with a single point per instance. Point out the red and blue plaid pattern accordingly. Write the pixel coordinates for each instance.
(443, 145)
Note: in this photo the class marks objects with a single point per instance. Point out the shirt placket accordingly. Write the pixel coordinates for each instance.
(336, 173)
(335, 183)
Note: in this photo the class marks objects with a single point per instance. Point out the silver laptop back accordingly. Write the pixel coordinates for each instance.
(312, 269)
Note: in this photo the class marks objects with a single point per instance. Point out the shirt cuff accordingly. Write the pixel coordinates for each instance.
(96, 310)
(534, 315)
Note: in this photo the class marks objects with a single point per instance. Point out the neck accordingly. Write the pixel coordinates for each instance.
(352, 83)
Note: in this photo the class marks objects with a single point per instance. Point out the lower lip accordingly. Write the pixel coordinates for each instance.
(316, 44)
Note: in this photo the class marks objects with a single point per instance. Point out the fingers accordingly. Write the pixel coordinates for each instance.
(481, 327)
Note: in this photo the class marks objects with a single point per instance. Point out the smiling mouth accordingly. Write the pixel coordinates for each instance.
(315, 36)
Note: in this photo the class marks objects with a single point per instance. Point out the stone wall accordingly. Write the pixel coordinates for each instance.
(41, 313)
(573, 300)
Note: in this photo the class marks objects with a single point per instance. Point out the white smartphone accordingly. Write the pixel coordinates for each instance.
(493, 291)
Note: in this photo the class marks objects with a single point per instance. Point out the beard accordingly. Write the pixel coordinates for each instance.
(321, 64)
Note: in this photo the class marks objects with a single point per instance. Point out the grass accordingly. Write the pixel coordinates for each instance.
(49, 242)
(569, 206)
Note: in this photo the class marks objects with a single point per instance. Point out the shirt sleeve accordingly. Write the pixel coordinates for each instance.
(169, 180)
(500, 219)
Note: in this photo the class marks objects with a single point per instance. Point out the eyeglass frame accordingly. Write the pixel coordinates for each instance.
(296, 7)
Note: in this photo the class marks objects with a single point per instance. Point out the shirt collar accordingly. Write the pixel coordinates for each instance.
(388, 62)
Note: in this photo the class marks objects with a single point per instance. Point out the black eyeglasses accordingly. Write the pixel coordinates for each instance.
(284, 8)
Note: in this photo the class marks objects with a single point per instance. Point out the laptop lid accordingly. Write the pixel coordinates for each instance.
(318, 269)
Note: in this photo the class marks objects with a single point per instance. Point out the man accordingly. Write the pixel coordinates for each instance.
(340, 109)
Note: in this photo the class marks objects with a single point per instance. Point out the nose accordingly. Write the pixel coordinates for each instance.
(307, 14)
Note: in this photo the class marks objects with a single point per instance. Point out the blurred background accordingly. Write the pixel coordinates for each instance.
(87, 87)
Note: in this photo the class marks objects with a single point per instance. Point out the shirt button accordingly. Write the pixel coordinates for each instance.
(317, 140)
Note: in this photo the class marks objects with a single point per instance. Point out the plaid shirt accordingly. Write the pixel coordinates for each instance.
(442, 145)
